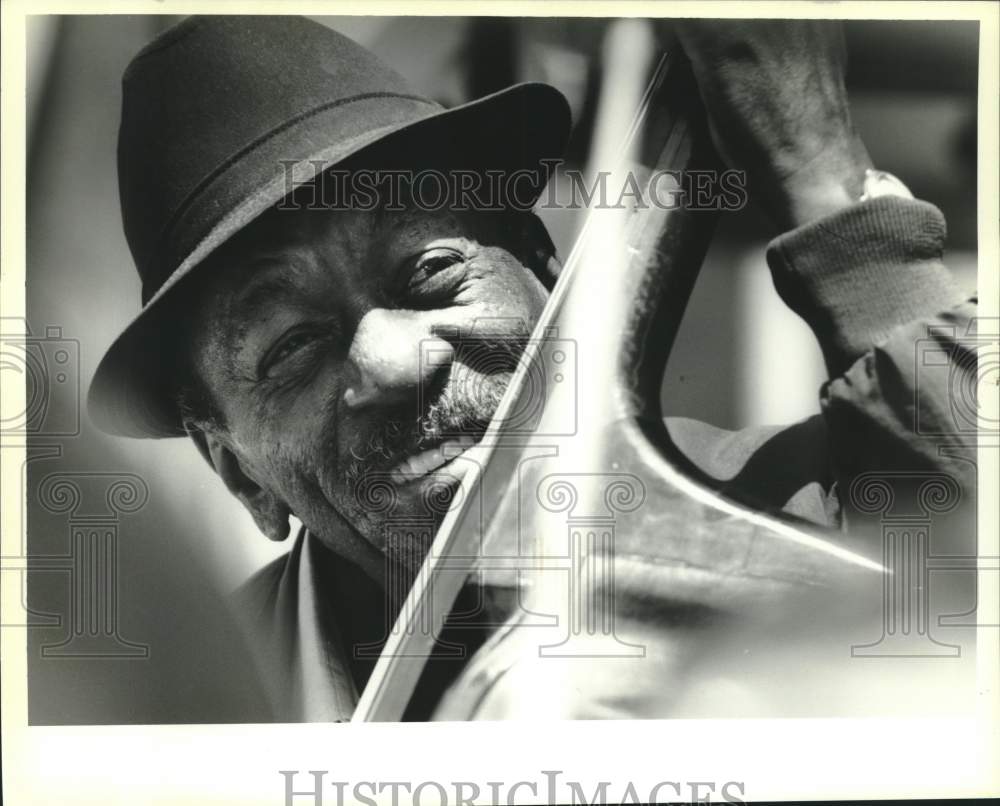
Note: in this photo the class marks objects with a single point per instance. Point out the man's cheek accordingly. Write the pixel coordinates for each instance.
(299, 476)
(508, 288)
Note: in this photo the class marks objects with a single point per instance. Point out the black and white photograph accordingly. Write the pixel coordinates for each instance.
(534, 373)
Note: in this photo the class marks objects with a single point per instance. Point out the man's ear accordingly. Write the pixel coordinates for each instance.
(269, 512)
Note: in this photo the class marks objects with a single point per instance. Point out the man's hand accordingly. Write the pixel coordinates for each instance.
(777, 107)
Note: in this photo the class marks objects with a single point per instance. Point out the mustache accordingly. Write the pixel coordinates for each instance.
(462, 406)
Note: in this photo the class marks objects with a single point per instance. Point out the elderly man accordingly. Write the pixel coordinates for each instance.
(283, 337)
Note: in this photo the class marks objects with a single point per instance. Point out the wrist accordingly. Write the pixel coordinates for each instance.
(828, 184)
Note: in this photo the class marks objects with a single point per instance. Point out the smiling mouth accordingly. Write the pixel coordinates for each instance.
(426, 462)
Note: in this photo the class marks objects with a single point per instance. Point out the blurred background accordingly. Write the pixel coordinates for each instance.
(174, 544)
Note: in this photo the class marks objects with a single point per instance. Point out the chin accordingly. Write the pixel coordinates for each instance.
(402, 517)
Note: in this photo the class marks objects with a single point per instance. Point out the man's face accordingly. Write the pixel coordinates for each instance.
(354, 354)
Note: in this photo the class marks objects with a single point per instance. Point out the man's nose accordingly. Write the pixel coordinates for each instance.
(393, 354)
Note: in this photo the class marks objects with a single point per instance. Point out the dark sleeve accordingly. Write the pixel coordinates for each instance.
(898, 337)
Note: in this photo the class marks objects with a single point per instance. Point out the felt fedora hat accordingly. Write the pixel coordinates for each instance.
(214, 112)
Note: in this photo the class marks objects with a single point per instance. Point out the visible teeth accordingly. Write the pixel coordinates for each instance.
(423, 463)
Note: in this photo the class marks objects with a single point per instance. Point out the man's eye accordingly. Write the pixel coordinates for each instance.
(285, 349)
(432, 263)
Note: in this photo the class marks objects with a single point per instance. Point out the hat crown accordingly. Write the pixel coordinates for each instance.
(208, 91)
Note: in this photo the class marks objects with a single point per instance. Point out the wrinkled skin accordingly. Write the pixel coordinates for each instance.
(337, 344)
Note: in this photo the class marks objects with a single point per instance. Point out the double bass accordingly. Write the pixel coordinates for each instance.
(612, 576)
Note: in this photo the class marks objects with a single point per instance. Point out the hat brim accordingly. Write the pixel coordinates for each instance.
(132, 393)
